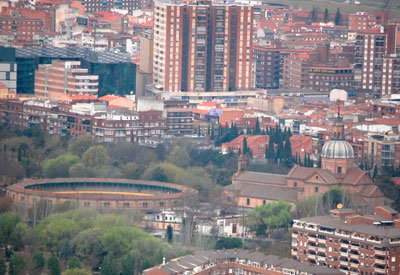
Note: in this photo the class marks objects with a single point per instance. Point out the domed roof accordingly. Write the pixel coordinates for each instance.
(337, 149)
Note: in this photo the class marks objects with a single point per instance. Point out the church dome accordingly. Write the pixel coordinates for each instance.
(337, 149)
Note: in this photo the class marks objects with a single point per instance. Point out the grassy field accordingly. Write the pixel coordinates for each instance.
(333, 5)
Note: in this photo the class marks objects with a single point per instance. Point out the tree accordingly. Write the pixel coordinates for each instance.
(96, 157)
(326, 15)
(128, 264)
(74, 262)
(288, 149)
(8, 225)
(77, 271)
(314, 14)
(245, 149)
(17, 265)
(109, 267)
(228, 243)
(169, 234)
(3, 266)
(334, 196)
(375, 173)
(59, 167)
(257, 130)
(65, 252)
(161, 152)
(159, 175)
(179, 157)
(79, 145)
(132, 170)
(54, 265)
(338, 17)
(38, 260)
(273, 215)
(79, 170)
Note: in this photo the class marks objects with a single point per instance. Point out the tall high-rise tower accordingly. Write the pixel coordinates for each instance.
(202, 46)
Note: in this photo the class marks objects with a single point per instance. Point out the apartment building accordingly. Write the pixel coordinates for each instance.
(8, 75)
(391, 75)
(295, 73)
(238, 262)
(178, 117)
(107, 5)
(350, 243)
(202, 46)
(384, 151)
(266, 63)
(371, 49)
(18, 29)
(326, 78)
(64, 77)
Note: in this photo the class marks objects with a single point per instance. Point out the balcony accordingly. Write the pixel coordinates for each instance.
(321, 249)
(354, 256)
(344, 263)
(294, 235)
(322, 241)
(353, 273)
(379, 270)
(380, 252)
(344, 245)
(379, 261)
(354, 265)
(294, 244)
(344, 254)
(354, 247)
(313, 248)
(320, 258)
(313, 257)
(294, 252)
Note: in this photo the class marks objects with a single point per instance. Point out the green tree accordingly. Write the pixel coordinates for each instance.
(314, 14)
(334, 196)
(16, 265)
(245, 149)
(288, 149)
(326, 15)
(3, 266)
(109, 267)
(96, 157)
(257, 130)
(179, 157)
(38, 260)
(65, 252)
(338, 17)
(59, 167)
(79, 170)
(77, 271)
(128, 264)
(132, 170)
(159, 175)
(273, 215)
(74, 262)
(228, 243)
(169, 234)
(161, 152)
(79, 145)
(53, 265)
(8, 225)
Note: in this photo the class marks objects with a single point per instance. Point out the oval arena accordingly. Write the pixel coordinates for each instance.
(112, 194)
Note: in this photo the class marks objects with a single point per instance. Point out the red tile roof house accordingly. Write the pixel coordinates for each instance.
(301, 145)
(257, 144)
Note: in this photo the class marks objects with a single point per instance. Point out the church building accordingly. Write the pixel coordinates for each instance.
(250, 189)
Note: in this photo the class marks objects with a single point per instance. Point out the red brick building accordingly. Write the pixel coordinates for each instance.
(350, 243)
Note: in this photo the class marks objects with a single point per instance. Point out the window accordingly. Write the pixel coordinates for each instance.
(295, 184)
(339, 169)
(248, 201)
(264, 201)
(316, 189)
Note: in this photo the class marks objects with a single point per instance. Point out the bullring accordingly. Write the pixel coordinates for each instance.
(112, 194)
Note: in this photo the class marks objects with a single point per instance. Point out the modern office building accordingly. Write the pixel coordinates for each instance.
(351, 243)
(202, 46)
